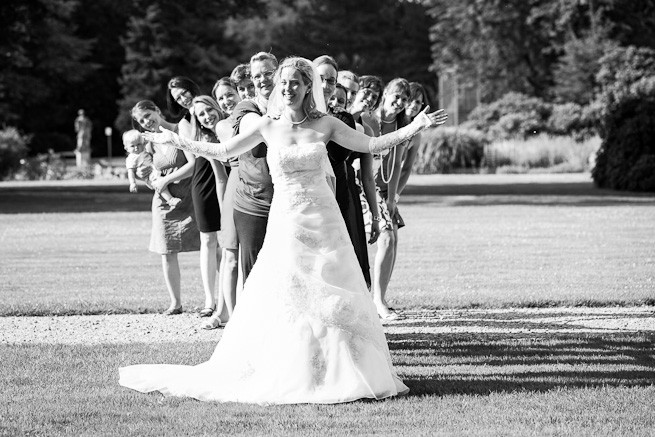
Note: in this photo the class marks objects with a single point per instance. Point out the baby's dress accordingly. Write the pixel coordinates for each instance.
(134, 161)
(305, 329)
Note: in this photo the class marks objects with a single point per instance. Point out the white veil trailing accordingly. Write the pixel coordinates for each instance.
(314, 104)
(317, 89)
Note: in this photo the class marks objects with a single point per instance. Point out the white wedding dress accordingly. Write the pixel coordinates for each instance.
(305, 329)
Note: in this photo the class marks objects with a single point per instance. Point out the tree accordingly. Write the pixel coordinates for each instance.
(254, 33)
(42, 60)
(175, 39)
(575, 73)
(536, 47)
(147, 63)
(504, 45)
(387, 38)
(104, 21)
(632, 23)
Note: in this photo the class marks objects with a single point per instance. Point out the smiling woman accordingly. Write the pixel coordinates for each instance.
(389, 117)
(226, 97)
(174, 229)
(328, 345)
(327, 69)
(208, 174)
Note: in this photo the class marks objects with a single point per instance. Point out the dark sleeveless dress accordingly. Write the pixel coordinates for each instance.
(203, 192)
(350, 209)
(356, 218)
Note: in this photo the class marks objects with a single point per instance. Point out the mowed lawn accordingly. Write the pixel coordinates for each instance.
(470, 241)
(461, 384)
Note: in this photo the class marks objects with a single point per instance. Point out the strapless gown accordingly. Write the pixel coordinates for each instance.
(305, 329)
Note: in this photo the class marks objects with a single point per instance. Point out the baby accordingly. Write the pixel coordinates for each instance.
(137, 157)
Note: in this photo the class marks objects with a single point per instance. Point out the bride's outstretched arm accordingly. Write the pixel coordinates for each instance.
(238, 144)
(359, 142)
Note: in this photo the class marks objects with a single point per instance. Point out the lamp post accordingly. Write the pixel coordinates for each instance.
(108, 135)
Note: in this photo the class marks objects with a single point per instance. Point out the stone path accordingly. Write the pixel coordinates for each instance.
(153, 328)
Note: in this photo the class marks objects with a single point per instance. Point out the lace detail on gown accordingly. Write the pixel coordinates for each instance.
(305, 328)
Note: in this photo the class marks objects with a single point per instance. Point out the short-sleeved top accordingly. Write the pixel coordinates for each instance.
(254, 190)
(136, 160)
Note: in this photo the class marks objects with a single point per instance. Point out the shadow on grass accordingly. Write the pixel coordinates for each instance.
(63, 199)
(114, 196)
(530, 200)
(482, 364)
(582, 193)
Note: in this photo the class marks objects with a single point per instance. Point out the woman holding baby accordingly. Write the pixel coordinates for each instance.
(174, 229)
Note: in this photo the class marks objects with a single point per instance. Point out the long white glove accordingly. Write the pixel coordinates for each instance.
(422, 121)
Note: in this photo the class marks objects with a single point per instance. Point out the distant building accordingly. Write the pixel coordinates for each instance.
(457, 97)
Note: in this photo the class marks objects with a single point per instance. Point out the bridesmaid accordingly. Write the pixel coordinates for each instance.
(350, 81)
(241, 78)
(328, 69)
(418, 100)
(227, 97)
(174, 229)
(366, 98)
(389, 116)
(207, 175)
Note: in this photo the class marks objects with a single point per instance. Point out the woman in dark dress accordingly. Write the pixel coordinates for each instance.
(206, 176)
(226, 97)
(327, 68)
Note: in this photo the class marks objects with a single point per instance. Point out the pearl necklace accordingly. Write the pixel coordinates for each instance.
(294, 123)
(387, 179)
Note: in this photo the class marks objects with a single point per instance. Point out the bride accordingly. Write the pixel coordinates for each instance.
(305, 329)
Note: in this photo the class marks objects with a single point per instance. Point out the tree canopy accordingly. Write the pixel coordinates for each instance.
(103, 56)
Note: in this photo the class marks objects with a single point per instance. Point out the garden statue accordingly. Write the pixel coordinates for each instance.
(83, 148)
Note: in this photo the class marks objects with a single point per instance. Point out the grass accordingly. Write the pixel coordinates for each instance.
(484, 384)
(553, 154)
(470, 241)
(70, 249)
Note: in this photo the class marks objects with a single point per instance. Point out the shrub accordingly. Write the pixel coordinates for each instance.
(623, 67)
(571, 119)
(13, 148)
(443, 150)
(626, 158)
(555, 154)
(44, 166)
(514, 115)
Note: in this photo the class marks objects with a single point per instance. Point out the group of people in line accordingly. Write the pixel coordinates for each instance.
(221, 207)
(305, 329)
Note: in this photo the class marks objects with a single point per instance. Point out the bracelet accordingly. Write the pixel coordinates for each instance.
(376, 218)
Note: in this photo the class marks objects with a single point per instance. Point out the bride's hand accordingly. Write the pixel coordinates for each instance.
(431, 119)
(164, 137)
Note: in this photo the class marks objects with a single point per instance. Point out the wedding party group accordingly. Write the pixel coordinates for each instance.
(284, 174)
